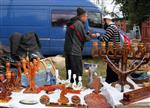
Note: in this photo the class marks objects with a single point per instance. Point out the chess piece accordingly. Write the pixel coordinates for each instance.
(13, 81)
(4, 92)
(94, 99)
(69, 75)
(91, 74)
(58, 81)
(79, 85)
(9, 85)
(18, 79)
(68, 83)
(74, 85)
(63, 100)
(96, 85)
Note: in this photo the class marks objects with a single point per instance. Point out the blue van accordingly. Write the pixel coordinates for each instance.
(48, 19)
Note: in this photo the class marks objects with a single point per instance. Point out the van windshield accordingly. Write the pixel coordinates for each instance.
(95, 19)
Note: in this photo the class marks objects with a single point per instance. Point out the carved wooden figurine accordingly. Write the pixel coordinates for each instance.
(95, 49)
(96, 100)
(10, 78)
(123, 55)
(30, 69)
(63, 100)
(4, 92)
(18, 79)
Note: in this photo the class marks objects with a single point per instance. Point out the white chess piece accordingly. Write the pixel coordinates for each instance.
(67, 82)
(74, 85)
(69, 75)
(57, 77)
(79, 86)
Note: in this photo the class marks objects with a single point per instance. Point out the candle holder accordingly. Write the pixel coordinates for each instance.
(122, 55)
(29, 69)
(10, 84)
(4, 91)
(18, 83)
(13, 82)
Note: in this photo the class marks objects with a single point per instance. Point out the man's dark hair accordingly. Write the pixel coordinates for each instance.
(80, 11)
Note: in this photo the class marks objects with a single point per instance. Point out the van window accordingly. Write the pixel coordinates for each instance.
(61, 17)
(95, 19)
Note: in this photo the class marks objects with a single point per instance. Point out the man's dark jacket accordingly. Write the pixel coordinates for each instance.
(75, 38)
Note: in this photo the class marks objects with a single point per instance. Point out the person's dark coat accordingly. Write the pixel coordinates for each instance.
(75, 37)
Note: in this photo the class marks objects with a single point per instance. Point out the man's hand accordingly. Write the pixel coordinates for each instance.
(95, 35)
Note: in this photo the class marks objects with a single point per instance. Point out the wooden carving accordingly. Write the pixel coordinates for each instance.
(49, 88)
(63, 100)
(30, 68)
(110, 48)
(10, 78)
(18, 79)
(95, 49)
(96, 100)
(136, 95)
(75, 100)
(44, 99)
(4, 91)
(96, 85)
(122, 55)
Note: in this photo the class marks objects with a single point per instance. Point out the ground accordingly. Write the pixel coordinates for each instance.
(101, 70)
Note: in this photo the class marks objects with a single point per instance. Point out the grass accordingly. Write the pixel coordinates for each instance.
(101, 70)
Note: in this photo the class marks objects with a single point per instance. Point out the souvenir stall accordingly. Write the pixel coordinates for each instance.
(56, 92)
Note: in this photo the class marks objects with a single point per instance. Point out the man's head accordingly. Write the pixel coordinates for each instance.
(82, 14)
(107, 19)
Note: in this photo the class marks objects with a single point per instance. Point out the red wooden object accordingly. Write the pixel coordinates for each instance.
(30, 69)
(4, 91)
(146, 31)
(136, 95)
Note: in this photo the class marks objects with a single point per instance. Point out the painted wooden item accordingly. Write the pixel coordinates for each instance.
(122, 55)
(136, 95)
(30, 68)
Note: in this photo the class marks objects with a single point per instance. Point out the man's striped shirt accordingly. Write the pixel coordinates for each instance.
(112, 34)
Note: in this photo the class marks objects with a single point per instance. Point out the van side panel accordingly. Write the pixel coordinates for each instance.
(25, 19)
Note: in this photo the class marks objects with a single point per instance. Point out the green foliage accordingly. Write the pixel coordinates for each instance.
(134, 10)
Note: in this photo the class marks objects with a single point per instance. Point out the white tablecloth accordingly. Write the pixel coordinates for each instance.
(16, 97)
(112, 94)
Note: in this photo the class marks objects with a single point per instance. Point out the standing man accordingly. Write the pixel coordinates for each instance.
(75, 38)
(111, 35)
